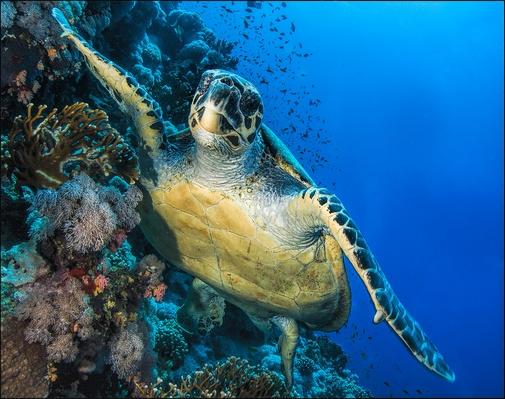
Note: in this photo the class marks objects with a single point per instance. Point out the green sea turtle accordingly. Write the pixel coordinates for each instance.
(227, 202)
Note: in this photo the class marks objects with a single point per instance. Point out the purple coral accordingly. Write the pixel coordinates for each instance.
(58, 312)
(86, 213)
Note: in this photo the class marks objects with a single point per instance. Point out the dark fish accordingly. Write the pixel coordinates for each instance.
(246, 25)
(283, 4)
(387, 384)
(248, 10)
(419, 391)
(405, 392)
(226, 9)
(283, 91)
(292, 27)
(243, 34)
(270, 70)
(264, 81)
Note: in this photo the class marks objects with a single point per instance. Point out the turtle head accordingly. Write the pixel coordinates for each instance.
(226, 111)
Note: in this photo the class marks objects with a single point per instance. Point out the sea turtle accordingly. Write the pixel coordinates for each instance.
(227, 202)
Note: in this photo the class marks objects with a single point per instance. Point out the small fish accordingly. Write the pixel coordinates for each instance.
(243, 34)
(270, 70)
(419, 391)
(387, 384)
(264, 81)
(248, 9)
(283, 4)
(292, 27)
(246, 25)
(405, 392)
(283, 69)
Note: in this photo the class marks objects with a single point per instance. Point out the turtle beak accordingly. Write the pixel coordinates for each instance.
(210, 120)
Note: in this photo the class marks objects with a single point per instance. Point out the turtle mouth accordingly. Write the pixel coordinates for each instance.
(210, 120)
(213, 121)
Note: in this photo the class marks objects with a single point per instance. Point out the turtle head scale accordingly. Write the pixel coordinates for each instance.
(226, 111)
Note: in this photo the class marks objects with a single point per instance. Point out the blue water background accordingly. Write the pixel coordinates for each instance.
(411, 120)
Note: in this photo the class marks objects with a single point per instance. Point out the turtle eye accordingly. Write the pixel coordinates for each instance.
(227, 81)
(226, 126)
(249, 103)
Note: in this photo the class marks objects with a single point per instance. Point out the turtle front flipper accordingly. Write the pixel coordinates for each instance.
(288, 342)
(327, 211)
(123, 87)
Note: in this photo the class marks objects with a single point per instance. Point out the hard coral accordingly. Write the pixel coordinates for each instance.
(233, 378)
(45, 151)
(170, 343)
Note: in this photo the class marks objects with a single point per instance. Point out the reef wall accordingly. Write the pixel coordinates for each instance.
(88, 307)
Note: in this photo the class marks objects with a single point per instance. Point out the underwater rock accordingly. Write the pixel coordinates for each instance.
(24, 365)
(45, 151)
(22, 264)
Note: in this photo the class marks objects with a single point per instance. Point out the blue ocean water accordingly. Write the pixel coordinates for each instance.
(405, 106)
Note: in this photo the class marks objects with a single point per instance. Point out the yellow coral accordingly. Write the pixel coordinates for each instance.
(45, 151)
(109, 304)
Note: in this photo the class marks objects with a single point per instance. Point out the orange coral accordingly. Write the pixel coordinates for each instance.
(52, 53)
(47, 151)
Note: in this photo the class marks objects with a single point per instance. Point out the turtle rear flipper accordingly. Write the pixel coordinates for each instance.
(131, 97)
(328, 209)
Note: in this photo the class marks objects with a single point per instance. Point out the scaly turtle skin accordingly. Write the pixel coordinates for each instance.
(227, 202)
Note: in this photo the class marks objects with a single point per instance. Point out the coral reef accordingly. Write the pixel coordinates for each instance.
(88, 310)
(166, 49)
(45, 151)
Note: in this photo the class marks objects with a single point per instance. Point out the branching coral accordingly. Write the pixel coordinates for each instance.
(233, 378)
(45, 151)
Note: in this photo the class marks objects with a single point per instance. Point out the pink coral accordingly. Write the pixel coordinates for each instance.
(100, 283)
(159, 292)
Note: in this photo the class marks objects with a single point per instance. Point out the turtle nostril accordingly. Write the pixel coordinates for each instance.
(227, 81)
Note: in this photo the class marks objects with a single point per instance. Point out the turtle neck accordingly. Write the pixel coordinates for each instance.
(221, 168)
